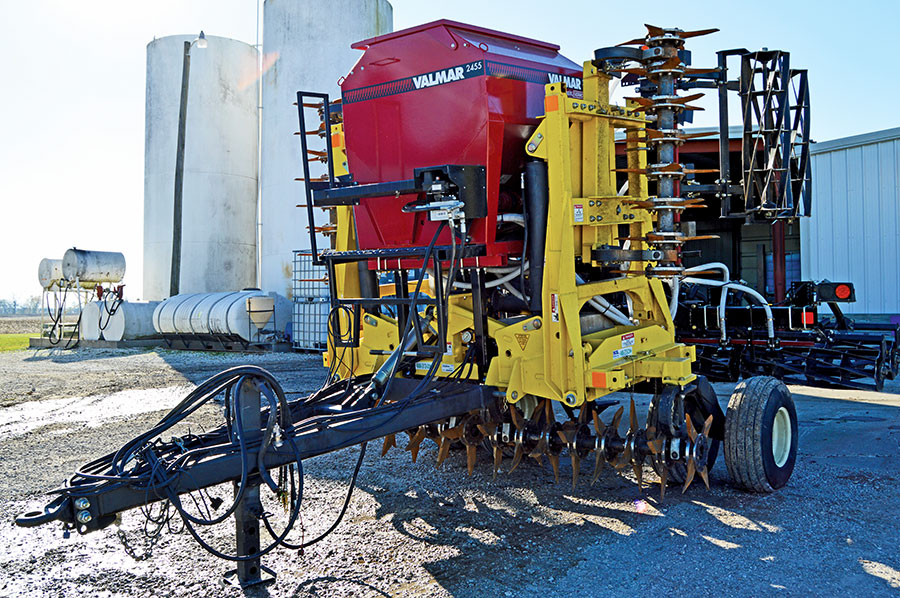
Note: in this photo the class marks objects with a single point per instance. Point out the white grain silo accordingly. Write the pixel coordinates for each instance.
(311, 40)
(220, 165)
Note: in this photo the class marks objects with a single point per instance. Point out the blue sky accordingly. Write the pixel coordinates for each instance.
(72, 106)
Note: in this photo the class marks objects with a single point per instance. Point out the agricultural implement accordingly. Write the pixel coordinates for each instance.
(734, 338)
(494, 280)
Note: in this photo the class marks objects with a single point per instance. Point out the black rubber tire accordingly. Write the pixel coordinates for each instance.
(748, 434)
(678, 471)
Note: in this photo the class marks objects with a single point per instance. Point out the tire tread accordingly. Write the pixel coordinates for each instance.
(743, 429)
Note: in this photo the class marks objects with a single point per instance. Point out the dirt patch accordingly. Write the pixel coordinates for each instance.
(21, 324)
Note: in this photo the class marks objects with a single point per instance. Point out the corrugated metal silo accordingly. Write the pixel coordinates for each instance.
(854, 232)
(220, 165)
(311, 41)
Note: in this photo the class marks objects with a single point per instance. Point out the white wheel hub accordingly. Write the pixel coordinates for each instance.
(781, 437)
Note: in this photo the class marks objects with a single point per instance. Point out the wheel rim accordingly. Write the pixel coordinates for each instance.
(781, 437)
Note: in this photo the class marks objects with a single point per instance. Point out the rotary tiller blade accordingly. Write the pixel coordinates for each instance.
(517, 457)
(498, 460)
(471, 456)
(663, 480)
(704, 475)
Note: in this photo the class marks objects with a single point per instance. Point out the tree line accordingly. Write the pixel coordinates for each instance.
(24, 307)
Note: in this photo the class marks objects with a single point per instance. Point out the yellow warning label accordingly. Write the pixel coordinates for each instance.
(523, 340)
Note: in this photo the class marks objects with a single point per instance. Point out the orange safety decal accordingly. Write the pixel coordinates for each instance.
(337, 140)
(551, 103)
(598, 379)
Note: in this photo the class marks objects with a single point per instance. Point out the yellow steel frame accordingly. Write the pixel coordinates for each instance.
(548, 355)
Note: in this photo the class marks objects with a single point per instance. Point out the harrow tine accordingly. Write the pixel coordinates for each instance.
(551, 417)
(471, 456)
(415, 442)
(582, 414)
(517, 457)
(498, 460)
(663, 480)
(389, 441)
(704, 475)
(554, 461)
(639, 474)
(690, 474)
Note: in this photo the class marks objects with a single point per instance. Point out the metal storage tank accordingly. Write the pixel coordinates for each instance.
(89, 324)
(249, 315)
(130, 321)
(312, 43)
(220, 165)
(855, 225)
(49, 272)
(96, 267)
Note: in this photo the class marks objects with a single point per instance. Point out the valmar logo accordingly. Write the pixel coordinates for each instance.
(571, 82)
(439, 77)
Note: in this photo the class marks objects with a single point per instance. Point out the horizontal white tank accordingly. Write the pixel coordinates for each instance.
(310, 45)
(93, 266)
(218, 250)
(130, 321)
(49, 272)
(236, 315)
(89, 325)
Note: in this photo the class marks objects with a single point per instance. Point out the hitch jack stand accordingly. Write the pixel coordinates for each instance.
(246, 517)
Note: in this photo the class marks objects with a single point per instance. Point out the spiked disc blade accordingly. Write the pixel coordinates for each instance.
(692, 433)
(517, 457)
(704, 475)
(453, 433)
(653, 30)
(707, 425)
(632, 419)
(639, 474)
(576, 469)
(598, 466)
(516, 418)
(389, 441)
(614, 424)
(415, 442)
(443, 451)
(663, 480)
(498, 460)
(634, 42)
(599, 428)
(554, 461)
(697, 33)
(690, 474)
(471, 456)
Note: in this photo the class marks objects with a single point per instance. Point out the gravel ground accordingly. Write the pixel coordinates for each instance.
(413, 530)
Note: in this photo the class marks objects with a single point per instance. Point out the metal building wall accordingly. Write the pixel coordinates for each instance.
(854, 232)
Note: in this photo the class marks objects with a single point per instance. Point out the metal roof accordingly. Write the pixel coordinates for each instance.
(855, 141)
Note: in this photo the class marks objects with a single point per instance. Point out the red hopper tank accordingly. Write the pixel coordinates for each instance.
(445, 93)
